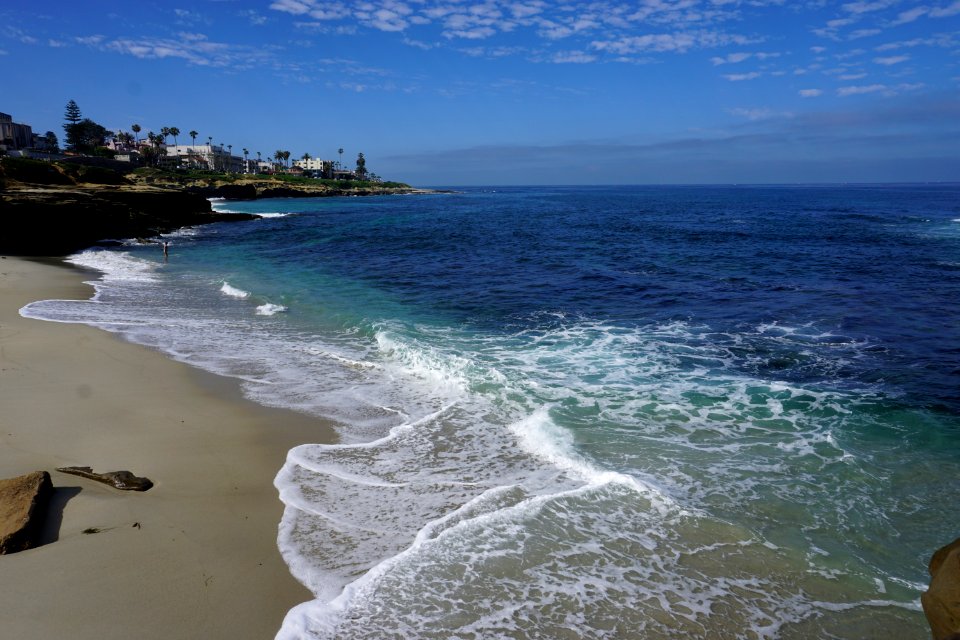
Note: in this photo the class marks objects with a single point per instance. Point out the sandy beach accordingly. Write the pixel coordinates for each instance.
(194, 557)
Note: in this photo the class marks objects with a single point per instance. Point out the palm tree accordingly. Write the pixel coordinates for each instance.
(136, 130)
(306, 156)
(174, 132)
(193, 138)
(340, 163)
(246, 164)
(286, 159)
(165, 131)
(361, 166)
(209, 141)
(278, 156)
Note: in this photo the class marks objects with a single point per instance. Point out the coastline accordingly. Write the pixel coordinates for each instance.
(204, 560)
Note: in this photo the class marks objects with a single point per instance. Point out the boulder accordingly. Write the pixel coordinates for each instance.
(120, 479)
(941, 602)
(23, 507)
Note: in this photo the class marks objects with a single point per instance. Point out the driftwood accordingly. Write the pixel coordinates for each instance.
(119, 479)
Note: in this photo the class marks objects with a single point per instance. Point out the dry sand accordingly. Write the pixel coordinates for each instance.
(194, 557)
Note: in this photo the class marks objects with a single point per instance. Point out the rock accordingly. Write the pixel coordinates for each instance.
(941, 602)
(23, 507)
(119, 479)
(61, 220)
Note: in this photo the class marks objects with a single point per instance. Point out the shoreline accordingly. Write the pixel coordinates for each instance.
(197, 555)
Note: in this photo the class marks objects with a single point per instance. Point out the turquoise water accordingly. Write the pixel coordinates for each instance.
(587, 412)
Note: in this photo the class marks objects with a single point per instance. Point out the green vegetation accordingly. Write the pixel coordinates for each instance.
(83, 134)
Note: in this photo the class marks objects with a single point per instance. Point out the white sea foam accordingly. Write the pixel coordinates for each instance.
(116, 266)
(269, 309)
(233, 292)
(583, 476)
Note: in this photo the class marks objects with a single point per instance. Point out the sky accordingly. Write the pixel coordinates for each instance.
(505, 92)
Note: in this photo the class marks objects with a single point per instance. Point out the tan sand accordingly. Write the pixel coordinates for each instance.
(194, 557)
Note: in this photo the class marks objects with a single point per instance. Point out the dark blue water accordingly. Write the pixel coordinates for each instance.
(626, 411)
(875, 264)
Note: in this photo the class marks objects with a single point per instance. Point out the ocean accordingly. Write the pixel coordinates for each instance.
(586, 412)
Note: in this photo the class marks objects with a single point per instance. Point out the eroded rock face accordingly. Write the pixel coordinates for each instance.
(120, 479)
(23, 507)
(60, 220)
(941, 602)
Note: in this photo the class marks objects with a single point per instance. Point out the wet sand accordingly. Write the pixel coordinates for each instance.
(194, 557)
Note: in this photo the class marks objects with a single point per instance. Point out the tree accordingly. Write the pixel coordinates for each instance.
(72, 114)
(193, 138)
(164, 132)
(136, 130)
(50, 139)
(72, 118)
(246, 163)
(174, 132)
(86, 135)
(340, 163)
(361, 166)
(286, 159)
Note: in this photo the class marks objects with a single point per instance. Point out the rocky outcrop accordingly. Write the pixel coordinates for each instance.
(228, 191)
(941, 602)
(23, 507)
(251, 189)
(60, 220)
(120, 479)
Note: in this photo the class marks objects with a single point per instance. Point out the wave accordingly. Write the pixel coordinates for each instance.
(499, 463)
(116, 266)
(580, 474)
(233, 292)
(269, 309)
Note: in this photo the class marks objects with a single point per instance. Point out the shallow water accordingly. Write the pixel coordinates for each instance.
(587, 412)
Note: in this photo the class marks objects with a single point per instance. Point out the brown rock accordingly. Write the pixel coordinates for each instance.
(23, 506)
(941, 602)
(119, 479)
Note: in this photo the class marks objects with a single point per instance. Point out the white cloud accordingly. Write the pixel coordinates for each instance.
(867, 7)
(910, 15)
(860, 89)
(863, 33)
(852, 76)
(577, 57)
(891, 60)
(810, 93)
(761, 113)
(739, 77)
(950, 10)
(194, 48)
(731, 58)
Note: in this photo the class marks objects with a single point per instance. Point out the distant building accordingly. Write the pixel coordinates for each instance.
(14, 136)
(205, 156)
(316, 167)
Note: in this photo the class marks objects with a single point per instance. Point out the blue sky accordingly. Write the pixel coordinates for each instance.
(445, 92)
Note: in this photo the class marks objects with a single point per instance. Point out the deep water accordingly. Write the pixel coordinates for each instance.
(608, 412)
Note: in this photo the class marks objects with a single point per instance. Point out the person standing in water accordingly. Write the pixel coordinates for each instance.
(166, 251)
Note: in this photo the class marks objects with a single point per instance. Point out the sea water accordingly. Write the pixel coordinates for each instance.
(642, 412)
